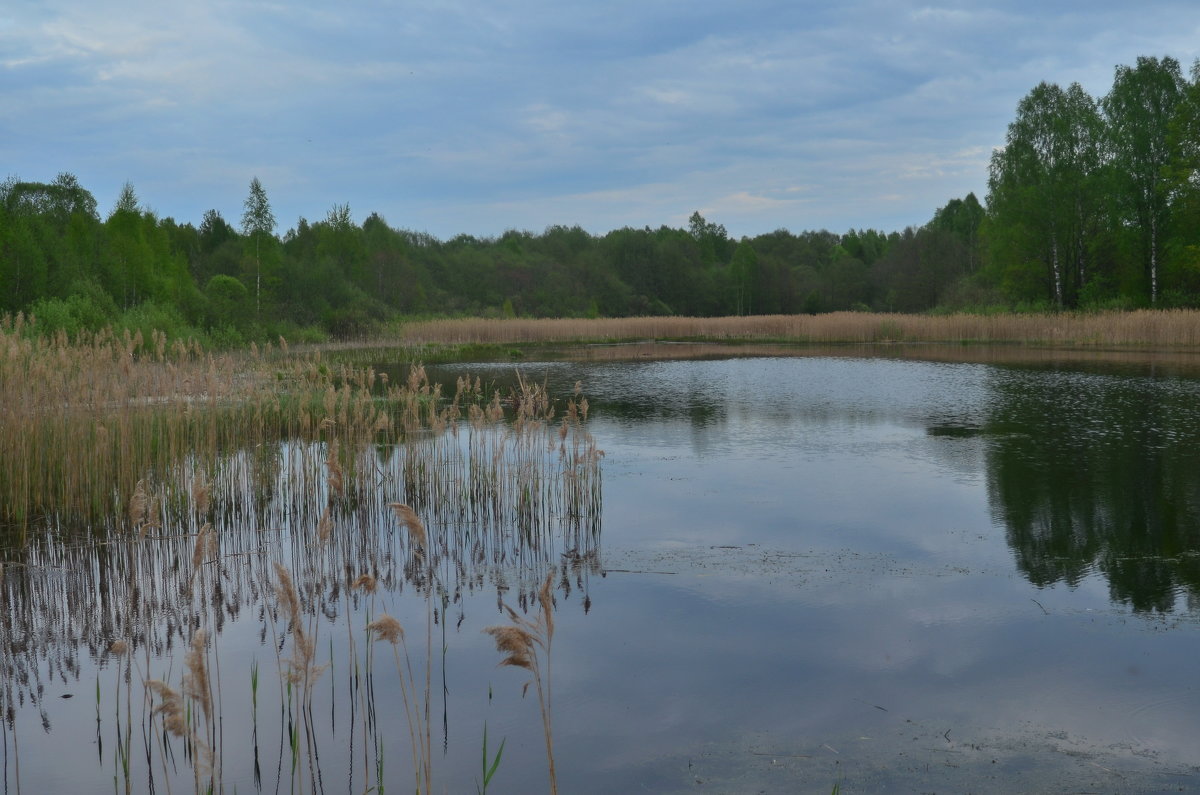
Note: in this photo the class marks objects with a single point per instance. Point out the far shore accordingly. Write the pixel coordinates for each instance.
(1174, 328)
(1138, 333)
(1163, 341)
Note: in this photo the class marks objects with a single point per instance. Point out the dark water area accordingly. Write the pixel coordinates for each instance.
(886, 574)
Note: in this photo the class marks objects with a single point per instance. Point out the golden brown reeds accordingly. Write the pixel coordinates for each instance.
(324, 527)
(102, 415)
(335, 478)
(205, 547)
(409, 520)
(524, 644)
(170, 706)
(175, 715)
(195, 679)
(1146, 327)
(301, 667)
(424, 574)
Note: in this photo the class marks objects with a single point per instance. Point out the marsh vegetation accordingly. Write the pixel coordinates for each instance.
(158, 500)
(1156, 329)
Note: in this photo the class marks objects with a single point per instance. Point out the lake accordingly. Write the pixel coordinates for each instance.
(879, 573)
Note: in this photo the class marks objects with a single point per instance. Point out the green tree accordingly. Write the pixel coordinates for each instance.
(49, 238)
(258, 224)
(1183, 175)
(711, 237)
(129, 264)
(227, 302)
(1040, 185)
(1139, 110)
(962, 218)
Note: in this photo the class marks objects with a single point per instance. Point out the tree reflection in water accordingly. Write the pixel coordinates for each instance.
(1099, 473)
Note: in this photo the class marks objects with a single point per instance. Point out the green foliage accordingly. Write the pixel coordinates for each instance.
(489, 768)
(149, 317)
(258, 225)
(1139, 111)
(1043, 186)
(229, 302)
(87, 308)
(744, 274)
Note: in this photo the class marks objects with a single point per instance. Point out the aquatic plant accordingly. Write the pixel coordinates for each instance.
(526, 644)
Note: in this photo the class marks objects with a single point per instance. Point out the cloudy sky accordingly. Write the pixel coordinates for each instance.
(474, 117)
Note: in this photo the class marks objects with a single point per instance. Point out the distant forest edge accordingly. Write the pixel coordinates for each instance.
(1091, 204)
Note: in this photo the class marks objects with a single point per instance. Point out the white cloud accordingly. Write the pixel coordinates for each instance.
(955, 15)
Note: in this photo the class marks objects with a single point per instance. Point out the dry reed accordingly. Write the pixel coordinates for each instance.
(102, 427)
(526, 644)
(301, 668)
(1151, 328)
(180, 721)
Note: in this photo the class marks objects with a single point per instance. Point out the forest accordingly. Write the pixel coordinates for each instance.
(1092, 203)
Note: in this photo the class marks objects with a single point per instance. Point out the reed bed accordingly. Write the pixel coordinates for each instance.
(1152, 328)
(507, 500)
(89, 425)
(155, 494)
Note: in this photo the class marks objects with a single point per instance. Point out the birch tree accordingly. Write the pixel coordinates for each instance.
(1139, 110)
(1040, 184)
(258, 224)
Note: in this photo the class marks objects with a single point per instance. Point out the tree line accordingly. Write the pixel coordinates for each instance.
(1091, 203)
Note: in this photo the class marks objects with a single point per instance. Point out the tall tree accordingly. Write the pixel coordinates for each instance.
(1039, 183)
(129, 269)
(1184, 182)
(258, 224)
(711, 237)
(1139, 110)
(962, 218)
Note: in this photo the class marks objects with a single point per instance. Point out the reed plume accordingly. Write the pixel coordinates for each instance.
(523, 644)
(170, 707)
(174, 714)
(205, 548)
(300, 665)
(139, 504)
(336, 477)
(195, 679)
(409, 519)
(387, 628)
(201, 493)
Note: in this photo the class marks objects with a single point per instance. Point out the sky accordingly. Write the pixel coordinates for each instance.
(452, 117)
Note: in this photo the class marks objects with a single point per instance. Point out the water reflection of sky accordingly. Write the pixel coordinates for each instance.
(803, 542)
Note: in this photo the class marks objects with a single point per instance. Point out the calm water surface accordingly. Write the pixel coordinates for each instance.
(897, 575)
